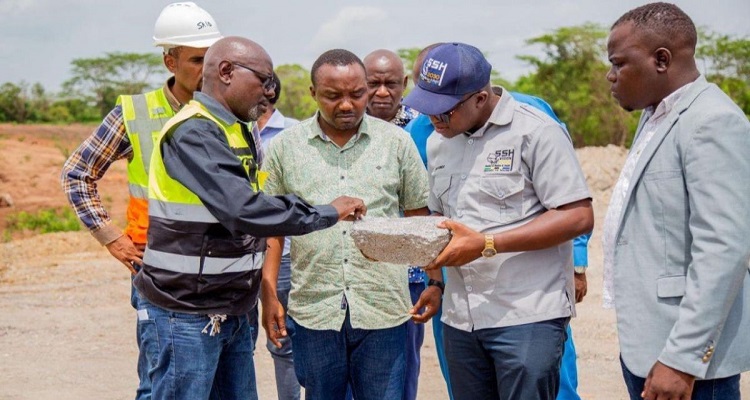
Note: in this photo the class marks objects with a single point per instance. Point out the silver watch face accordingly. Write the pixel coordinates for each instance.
(488, 252)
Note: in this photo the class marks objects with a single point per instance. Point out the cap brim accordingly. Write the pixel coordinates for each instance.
(430, 103)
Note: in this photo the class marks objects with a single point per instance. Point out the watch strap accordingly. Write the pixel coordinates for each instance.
(439, 284)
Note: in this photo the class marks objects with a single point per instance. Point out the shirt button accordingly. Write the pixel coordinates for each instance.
(346, 260)
(471, 141)
(342, 176)
(469, 288)
(344, 232)
(463, 176)
(347, 288)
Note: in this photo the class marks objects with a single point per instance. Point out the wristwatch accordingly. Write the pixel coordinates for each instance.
(579, 270)
(439, 284)
(489, 246)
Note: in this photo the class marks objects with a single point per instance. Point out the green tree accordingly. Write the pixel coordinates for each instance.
(39, 104)
(78, 110)
(408, 56)
(570, 76)
(726, 61)
(101, 79)
(13, 102)
(295, 100)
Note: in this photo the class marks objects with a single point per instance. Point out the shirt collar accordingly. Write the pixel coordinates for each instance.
(173, 102)
(276, 120)
(502, 114)
(216, 109)
(315, 129)
(404, 115)
(667, 104)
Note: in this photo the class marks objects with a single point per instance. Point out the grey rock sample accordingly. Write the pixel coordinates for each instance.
(412, 240)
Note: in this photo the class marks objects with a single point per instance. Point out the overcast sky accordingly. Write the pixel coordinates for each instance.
(39, 38)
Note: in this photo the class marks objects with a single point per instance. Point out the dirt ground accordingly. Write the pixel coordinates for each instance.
(66, 327)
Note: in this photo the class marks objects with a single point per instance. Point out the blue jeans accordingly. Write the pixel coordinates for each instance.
(514, 362)
(711, 389)
(414, 340)
(252, 318)
(192, 365)
(146, 355)
(370, 360)
(287, 386)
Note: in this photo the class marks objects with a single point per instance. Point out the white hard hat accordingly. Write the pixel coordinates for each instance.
(185, 24)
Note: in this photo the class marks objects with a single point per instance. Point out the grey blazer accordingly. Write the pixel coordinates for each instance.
(682, 283)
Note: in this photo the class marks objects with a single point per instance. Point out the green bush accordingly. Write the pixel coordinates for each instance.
(44, 221)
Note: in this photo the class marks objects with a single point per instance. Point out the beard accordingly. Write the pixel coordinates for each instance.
(256, 112)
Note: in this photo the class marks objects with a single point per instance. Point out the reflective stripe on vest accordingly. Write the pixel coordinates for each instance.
(211, 266)
(144, 116)
(180, 212)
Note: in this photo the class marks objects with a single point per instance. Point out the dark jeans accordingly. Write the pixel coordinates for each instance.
(513, 362)
(371, 361)
(711, 389)
(146, 355)
(192, 365)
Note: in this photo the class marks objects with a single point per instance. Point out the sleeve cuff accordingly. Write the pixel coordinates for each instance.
(328, 214)
(695, 367)
(107, 234)
(580, 256)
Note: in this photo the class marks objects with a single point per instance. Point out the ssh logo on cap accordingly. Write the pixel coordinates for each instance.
(433, 71)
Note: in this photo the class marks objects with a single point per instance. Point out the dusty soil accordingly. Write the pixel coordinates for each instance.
(66, 326)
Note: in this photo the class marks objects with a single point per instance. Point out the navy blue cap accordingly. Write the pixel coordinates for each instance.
(449, 72)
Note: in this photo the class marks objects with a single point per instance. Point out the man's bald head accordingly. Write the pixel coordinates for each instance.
(234, 71)
(386, 82)
(235, 49)
(384, 57)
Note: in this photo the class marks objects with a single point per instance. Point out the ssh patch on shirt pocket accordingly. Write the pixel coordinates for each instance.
(670, 286)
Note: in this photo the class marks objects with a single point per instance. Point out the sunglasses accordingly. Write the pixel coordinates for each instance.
(268, 83)
(446, 116)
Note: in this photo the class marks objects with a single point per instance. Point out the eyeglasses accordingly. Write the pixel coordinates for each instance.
(268, 82)
(446, 116)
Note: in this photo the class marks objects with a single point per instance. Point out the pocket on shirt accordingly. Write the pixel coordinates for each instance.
(670, 286)
(441, 190)
(501, 197)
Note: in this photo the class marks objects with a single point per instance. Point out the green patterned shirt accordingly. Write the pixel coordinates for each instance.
(380, 165)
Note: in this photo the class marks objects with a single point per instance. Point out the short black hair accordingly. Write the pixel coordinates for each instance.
(277, 90)
(664, 21)
(338, 57)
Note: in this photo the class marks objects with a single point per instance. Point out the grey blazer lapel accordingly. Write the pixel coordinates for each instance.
(665, 127)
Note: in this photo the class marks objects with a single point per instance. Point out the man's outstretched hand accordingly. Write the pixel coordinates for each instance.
(349, 208)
